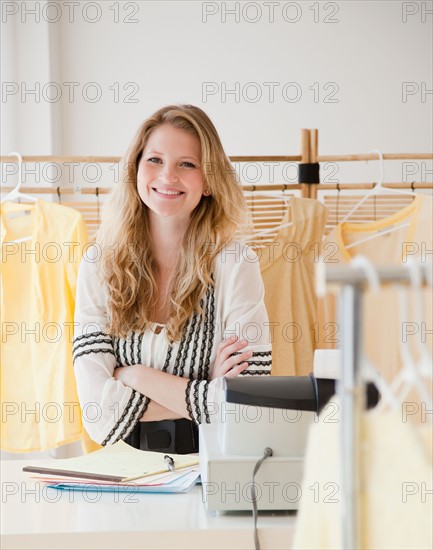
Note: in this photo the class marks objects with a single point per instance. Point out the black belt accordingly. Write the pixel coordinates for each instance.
(168, 436)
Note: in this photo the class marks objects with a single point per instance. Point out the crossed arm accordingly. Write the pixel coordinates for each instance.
(167, 392)
(134, 393)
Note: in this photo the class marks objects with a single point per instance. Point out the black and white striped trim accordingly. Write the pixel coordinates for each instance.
(94, 342)
(133, 411)
(196, 401)
(199, 364)
(128, 352)
(210, 329)
(205, 407)
(184, 347)
(193, 355)
(260, 359)
(188, 398)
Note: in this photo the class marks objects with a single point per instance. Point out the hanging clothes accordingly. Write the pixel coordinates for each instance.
(38, 280)
(395, 486)
(411, 237)
(396, 446)
(287, 268)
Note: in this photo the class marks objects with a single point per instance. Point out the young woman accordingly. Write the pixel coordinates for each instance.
(168, 301)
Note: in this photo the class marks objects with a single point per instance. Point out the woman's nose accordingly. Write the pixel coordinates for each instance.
(168, 174)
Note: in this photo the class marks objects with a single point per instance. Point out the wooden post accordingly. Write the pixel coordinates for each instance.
(305, 159)
(314, 155)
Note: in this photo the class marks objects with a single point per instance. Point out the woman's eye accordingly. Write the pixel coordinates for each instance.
(188, 164)
(154, 160)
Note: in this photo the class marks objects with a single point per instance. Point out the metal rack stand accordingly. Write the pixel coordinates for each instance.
(353, 281)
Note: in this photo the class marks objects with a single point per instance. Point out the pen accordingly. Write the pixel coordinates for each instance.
(169, 461)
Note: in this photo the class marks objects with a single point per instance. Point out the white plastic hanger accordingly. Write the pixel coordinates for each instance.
(426, 366)
(275, 195)
(270, 230)
(379, 234)
(392, 395)
(409, 376)
(425, 363)
(368, 372)
(375, 191)
(15, 193)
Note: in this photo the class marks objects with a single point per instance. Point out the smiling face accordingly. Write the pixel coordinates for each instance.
(170, 180)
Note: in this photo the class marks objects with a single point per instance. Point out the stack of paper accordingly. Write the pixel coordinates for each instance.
(120, 467)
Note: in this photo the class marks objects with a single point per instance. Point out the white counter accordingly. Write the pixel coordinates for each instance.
(33, 516)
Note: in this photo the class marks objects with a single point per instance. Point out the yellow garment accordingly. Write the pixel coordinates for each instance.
(40, 407)
(395, 504)
(287, 267)
(382, 324)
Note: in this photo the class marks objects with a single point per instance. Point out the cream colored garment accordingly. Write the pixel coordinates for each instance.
(287, 268)
(396, 506)
(383, 328)
(233, 305)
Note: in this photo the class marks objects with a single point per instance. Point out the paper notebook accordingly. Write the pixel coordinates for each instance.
(182, 483)
(117, 463)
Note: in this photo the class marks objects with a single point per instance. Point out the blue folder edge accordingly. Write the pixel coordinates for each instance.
(180, 485)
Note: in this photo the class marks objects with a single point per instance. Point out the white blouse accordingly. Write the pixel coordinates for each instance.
(233, 305)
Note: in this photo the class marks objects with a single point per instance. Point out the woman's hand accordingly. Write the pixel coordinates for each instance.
(230, 366)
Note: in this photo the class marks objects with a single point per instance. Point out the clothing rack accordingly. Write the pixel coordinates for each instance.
(266, 212)
(340, 198)
(350, 390)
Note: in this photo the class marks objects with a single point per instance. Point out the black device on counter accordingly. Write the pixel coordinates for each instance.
(302, 393)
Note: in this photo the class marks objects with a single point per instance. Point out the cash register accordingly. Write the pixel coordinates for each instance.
(273, 413)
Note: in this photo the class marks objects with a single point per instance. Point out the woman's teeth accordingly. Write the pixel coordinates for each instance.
(166, 192)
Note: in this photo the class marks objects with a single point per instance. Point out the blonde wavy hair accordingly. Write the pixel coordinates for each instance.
(127, 263)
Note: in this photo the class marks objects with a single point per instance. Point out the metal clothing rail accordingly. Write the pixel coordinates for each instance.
(350, 390)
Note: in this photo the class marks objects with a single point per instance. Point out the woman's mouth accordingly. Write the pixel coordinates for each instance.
(167, 193)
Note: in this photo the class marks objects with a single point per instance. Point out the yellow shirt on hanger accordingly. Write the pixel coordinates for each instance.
(411, 237)
(40, 407)
(287, 268)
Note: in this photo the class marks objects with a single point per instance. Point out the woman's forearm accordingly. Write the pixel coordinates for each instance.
(155, 412)
(164, 388)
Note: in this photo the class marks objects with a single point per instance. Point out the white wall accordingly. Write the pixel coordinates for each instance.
(362, 51)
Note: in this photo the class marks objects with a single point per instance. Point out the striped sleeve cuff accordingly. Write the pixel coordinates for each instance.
(133, 411)
(196, 396)
(94, 342)
(259, 364)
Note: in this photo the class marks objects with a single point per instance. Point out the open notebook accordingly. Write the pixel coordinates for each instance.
(116, 463)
